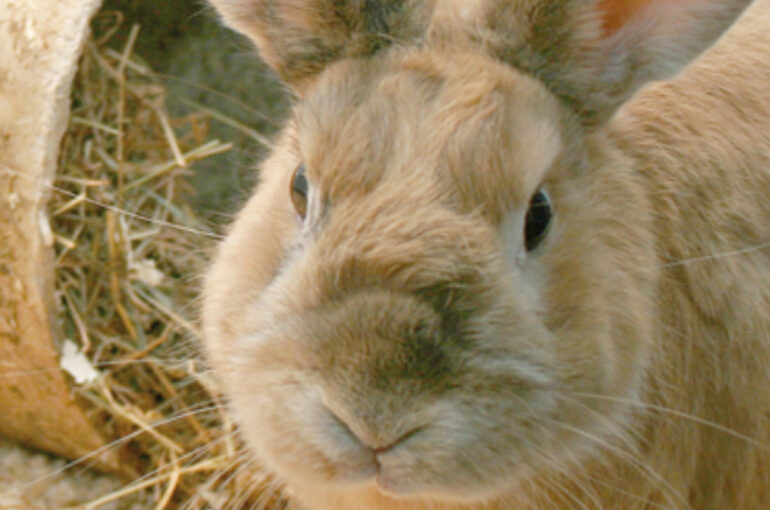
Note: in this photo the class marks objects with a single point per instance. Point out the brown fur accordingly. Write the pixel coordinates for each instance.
(621, 365)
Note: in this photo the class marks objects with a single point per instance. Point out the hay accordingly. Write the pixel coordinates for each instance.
(129, 254)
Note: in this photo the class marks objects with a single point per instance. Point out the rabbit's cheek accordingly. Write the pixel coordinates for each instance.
(467, 453)
(348, 459)
(288, 427)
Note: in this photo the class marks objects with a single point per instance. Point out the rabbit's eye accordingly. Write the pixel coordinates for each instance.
(298, 191)
(538, 219)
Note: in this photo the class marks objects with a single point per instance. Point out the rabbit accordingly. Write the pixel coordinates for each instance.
(505, 255)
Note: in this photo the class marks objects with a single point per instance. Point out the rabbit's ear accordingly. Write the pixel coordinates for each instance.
(595, 54)
(299, 38)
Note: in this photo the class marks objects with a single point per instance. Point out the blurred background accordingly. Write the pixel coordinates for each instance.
(202, 63)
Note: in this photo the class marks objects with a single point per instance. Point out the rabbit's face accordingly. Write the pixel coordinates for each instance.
(437, 268)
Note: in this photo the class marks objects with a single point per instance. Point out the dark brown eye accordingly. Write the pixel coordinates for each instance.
(298, 191)
(538, 219)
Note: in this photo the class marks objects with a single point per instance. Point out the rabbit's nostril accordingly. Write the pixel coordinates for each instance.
(401, 440)
(377, 437)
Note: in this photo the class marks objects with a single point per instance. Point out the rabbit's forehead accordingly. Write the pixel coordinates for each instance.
(482, 132)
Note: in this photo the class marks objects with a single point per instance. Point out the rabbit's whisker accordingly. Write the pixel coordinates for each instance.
(115, 209)
(676, 413)
(114, 444)
(643, 467)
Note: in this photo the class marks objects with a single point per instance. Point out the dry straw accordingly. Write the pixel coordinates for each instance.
(129, 255)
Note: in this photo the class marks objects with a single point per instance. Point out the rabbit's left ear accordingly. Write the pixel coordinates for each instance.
(299, 38)
(594, 54)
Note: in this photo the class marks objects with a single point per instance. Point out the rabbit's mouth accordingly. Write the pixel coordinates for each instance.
(381, 438)
(437, 451)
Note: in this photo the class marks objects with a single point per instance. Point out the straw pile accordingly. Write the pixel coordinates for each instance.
(129, 255)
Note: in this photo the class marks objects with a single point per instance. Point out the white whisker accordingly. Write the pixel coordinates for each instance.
(113, 444)
(679, 414)
(115, 209)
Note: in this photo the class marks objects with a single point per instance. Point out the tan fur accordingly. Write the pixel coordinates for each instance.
(621, 365)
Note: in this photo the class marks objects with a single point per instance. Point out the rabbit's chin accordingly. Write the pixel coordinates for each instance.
(378, 482)
(397, 490)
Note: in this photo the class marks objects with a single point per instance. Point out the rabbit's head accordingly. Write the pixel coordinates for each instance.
(444, 254)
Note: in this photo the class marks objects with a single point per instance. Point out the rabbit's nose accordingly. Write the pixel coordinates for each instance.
(378, 438)
(399, 441)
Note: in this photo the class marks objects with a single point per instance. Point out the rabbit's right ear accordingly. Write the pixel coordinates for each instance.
(594, 54)
(299, 38)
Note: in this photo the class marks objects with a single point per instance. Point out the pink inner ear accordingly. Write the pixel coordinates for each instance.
(616, 13)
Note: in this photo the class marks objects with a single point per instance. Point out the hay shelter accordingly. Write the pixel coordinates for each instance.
(41, 41)
(103, 239)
